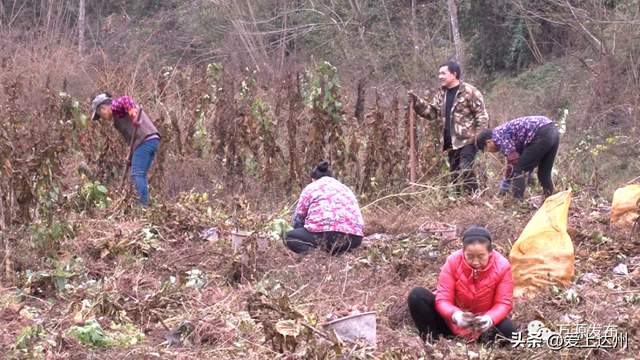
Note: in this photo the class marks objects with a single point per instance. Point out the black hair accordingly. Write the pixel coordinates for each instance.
(477, 235)
(482, 137)
(453, 67)
(321, 170)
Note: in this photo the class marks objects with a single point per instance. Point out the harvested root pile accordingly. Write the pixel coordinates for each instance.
(340, 312)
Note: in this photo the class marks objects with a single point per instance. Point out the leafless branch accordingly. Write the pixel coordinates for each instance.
(595, 43)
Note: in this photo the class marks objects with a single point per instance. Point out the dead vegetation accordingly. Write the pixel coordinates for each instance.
(134, 283)
(142, 277)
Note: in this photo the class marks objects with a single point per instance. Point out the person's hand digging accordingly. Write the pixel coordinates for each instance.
(463, 319)
(482, 323)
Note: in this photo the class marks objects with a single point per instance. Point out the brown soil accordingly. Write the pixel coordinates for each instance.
(143, 281)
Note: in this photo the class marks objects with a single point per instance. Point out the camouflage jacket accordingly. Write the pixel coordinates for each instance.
(468, 114)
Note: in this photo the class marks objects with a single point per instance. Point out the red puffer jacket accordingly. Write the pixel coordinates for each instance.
(483, 292)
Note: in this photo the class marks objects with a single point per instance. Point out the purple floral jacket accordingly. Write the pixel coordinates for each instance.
(513, 136)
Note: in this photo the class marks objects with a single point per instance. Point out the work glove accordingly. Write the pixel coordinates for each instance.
(483, 323)
(412, 96)
(504, 187)
(463, 319)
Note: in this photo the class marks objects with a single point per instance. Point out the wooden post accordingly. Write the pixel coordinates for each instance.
(81, 28)
(411, 136)
(7, 260)
(7, 251)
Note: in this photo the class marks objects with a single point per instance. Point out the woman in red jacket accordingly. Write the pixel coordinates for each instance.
(474, 295)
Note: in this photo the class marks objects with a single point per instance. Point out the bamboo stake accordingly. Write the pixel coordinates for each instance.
(7, 251)
(7, 259)
(412, 154)
(2, 224)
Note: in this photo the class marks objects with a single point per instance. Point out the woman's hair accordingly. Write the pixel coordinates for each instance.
(477, 235)
(321, 170)
(483, 136)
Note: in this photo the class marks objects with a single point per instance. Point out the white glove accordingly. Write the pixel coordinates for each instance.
(462, 319)
(483, 323)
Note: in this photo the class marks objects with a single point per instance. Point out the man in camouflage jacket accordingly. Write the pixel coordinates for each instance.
(460, 107)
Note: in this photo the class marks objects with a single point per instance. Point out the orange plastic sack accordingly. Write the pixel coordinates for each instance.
(544, 249)
(624, 208)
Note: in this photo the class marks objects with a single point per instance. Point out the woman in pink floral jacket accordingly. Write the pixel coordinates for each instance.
(327, 216)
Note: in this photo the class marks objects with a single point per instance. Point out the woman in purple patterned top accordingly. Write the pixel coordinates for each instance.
(327, 215)
(527, 142)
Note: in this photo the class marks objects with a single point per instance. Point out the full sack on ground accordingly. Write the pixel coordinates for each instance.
(544, 250)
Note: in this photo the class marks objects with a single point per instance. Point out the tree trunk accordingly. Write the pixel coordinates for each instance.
(534, 45)
(49, 12)
(453, 15)
(7, 251)
(355, 7)
(7, 261)
(414, 32)
(413, 13)
(2, 219)
(255, 25)
(81, 28)
(283, 40)
(597, 45)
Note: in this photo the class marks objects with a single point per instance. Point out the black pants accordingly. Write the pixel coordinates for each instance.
(542, 150)
(422, 306)
(461, 167)
(301, 241)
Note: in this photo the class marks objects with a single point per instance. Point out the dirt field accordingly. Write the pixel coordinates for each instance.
(146, 276)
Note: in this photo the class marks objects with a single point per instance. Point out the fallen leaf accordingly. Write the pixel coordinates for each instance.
(77, 319)
(288, 328)
(589, 277)
(621, 269)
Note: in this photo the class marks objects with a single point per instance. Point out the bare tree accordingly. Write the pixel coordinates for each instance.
(591, 21)
(49, 12)
(453, 15)
(283, 38)
(255, 25)
(355, 7)
(414, 31)
(81, 28)
(597, 45)
(413, 12)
